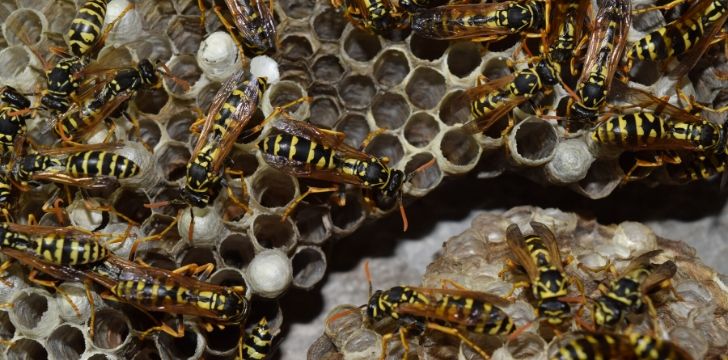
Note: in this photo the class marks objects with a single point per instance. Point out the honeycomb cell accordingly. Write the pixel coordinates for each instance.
(158, 15)
(463, 58)
(97, 356)
(7, 329)
(26, 349)
(313, 224)
(427, 49)
(647, 21)
(328, 25)
(130, 203)
(66, 342)
(272, 188)
(24, 26)
(355, 127)
(206, 95)
(285, 92)
(328, 69)
(243, 161)
(185, 33)
(346, 218)
(459, 147)
(296, 47)
(324, 112)
(309, 266)
(150, 132)
(602, 178)
(270, 274)
(151, 101)
(533, 142)
(184, 67)
(270, 232)
(111, 329)
(425, 88)
(197, 255)
(189, 346)
(33, 312)
(496, 68)
(14, 60)
(528, 346)
(386, 145)
(155, 47)
(59, 16)
(391, 68)
(222, 342)
(361, 45)
(173, 160)
(297, 9)
(178, 126)
(116, 57)
(357, 91)
(421, 128)
(423, 178)
(390, 110)
(236, 250)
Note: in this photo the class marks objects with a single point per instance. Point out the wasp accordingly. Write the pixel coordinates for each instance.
(254, 21)
(63, 80)
(564, 42)
(697, 166)
(634, 346)
(627, 292)
(87, 28)
(539, 255)
(258, 342)
(605, 49)
(482, 22)
(412, 6)
(692, 33)
(13, 116)
(378, 16)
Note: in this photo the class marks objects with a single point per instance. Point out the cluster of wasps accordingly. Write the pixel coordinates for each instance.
(584, 56)
(536, 258)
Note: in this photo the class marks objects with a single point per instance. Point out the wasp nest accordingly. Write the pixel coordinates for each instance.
(693, 317)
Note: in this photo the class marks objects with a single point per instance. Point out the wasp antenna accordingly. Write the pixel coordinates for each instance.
(157, 204)
(368, 275)
(405, 223)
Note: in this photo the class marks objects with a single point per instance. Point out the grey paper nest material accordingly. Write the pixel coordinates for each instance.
(696, 320)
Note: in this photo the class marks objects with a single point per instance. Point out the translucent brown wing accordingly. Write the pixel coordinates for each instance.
(334, 140)
(48, 230)
(610, 32)
(662, 272)
(641, 261)
(550, 241)
(450, 315)
(217, 102)
(79, 148)
(478, 295)
(305, 170)
(29, 259)
(644, 99)
(483, 123)
(93, 182)
(446, 22)
(106, 110)
(241, 10)
(517, 243)
(693, 55)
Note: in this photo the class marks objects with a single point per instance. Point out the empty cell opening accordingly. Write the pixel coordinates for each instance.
(7, 329)
(528, 346)
(310, 223)
(168, 193)
(185, 33)
(150, 132)
(237, 251)
(151, 101)
(66, 342)
(111, 329)
(115, 57)
(29, 309)
(296, 48)
(386, 145)
(601, 179)
(13, 61)
(390, 111)
(26, 349)
(426, 178)
(297, 9)
(362, 45)
(178, 127)
(645, 72)
(504, 44)
(23, 27)
(59, 16)
(228, 277)
(329, 25)
(348, 216)
(357, 91)
(99, 357)
(273, 188)
(174, 160)
(131, 204)
(391, 68)
(158, 260)
(223, 340)
(242, 161)
(535, 140)
(459, 147)
(158, 14)
(421, 129)
(184, 347)
(356, 129)
(183, 67)
(427, 49)
(324, 112)
(328, 69)
(205, 96)
(496, 68)
(425, 88)
(309, 267)
(463, 58)
(271, 233)
(198, 255)
(285, 92)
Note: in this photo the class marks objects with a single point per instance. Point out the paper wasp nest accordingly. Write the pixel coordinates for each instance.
(695, 321)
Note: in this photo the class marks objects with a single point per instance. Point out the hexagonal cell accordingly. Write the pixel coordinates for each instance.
(178, 126)
(328, 69)
(390, 110)
(130, 203)
(391, 68)
(111, 329)
(26, 349)
(59, 15)
(297, 9)
(115, 56)
(496, 68)
(173, 161)
(386, 145)
(645, 73)
(459, 147)
(421, 128)
(285, 92)
(184, 67)
(187, 347)
(272, 188)
(206, 95)
(361, 45)
(346, 218)
(158, 14)
(295, 47)
(240, 160)
(7, 329)
(150, 132)
(425, 88)
(423, 178)
(270, 232)
(185, 33)
(197, 255)
(464, 58)
(13, 61)
(151, 101)
(311, 224)
(236, 250)
(427, 49)
(66, 342)
(23, 26)
(328, 25)
(533, 142)
(309, 266)
(357, 91)
(324, 112)
(355, 127)
(222, 341)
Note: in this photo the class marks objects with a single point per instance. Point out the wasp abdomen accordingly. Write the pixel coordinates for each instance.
(93, 163)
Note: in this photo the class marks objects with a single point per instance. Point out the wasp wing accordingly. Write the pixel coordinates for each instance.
(517, 243)
(608, 40)
(454, 21)
(658, 276)
(550, 240)
(327, 138)
(217, 103)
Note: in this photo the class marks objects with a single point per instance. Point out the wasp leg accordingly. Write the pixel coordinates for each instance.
(445, 282)
(402, 332)
(108, 208)
(279, 110)
(667, 6)
(92, 307)
(295, 202)
(177, 333)
(457, 333)
(609, 266)
(202, 272)
(230, 30)
(196, 126)
(55, 209)
(3, 270)
(370, 137)
(32, 277)
(243, 188)
(203, 11)
(159, 236)
(692, 103)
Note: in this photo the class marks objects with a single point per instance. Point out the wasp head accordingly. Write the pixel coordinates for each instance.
(554, 310)
(148, 72)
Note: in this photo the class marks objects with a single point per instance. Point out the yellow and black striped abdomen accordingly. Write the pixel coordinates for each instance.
(65, 250)
(10, 127)
(631, 131)
(481, 317)
(694, 168)
(653, 348)
(151, 294)
(299, 149)
(86, 27)
(538, 251)
(100, 163)
(13, 239)
(590, 347)
(5, 189)
(258, 342)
